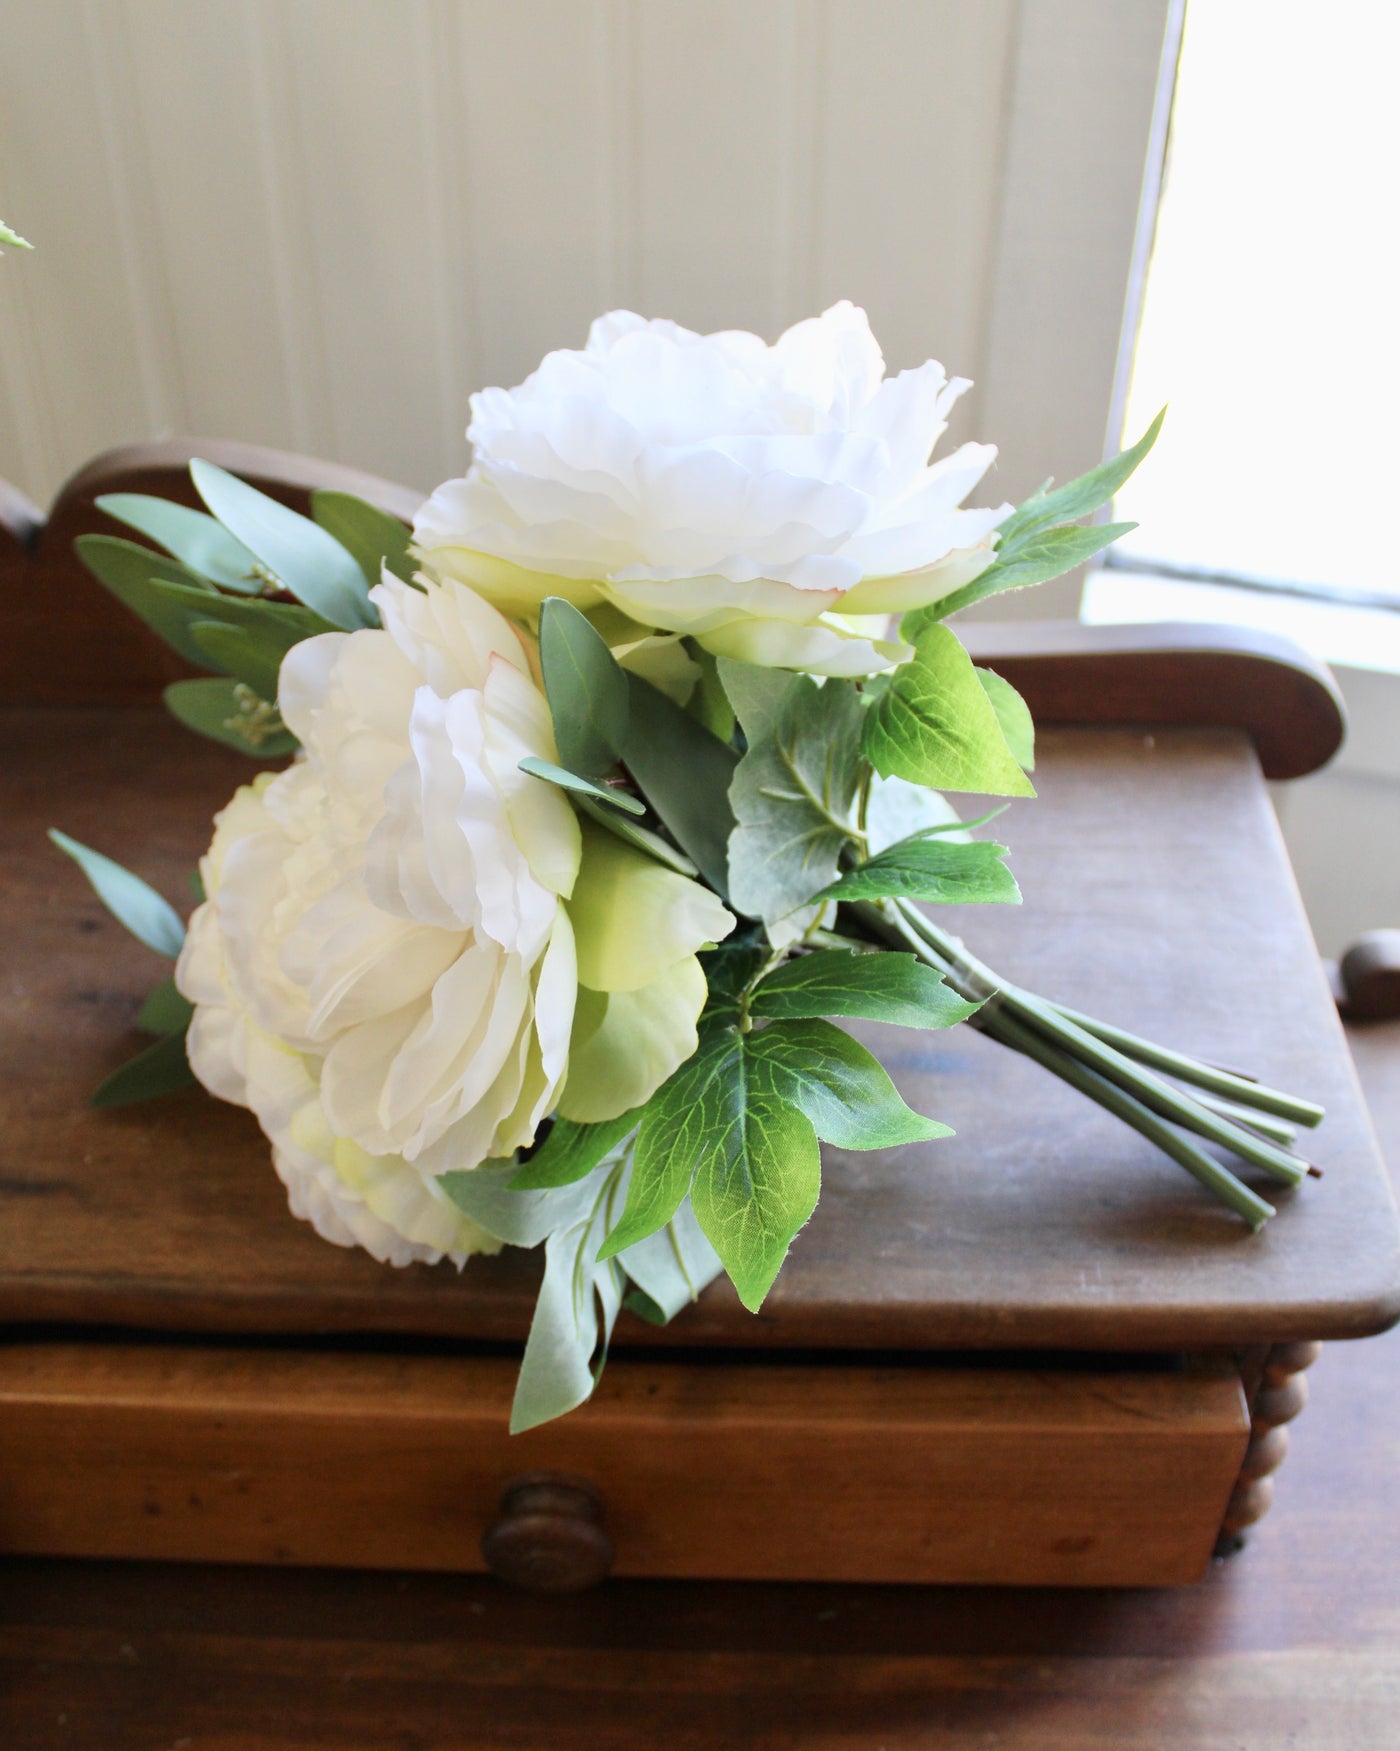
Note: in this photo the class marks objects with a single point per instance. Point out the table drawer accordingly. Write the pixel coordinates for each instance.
(851, 1473)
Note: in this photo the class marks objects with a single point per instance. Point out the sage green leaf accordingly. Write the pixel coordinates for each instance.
(685, 773)
(13, 238)
(145, 913)
(198, 540)
(756, 1186)
(845, 1092)
(880, 986)
(1014, 716)
(577, 1305)
(896, 809)
(130, 572)
(238, 653)
(522, 1218)
(373, 537)
(1041, 555)
(277, 625)
(230, 712)
(671, 1267)
(570, 1152)
(165, 1011)
(160, 1069)
(571, 781)
(587, 691)
(755, 693)
(794, 795)
(948, 872)
(709, 702)
(935, 725)
(1081, 497)
(310, 563)
(642, 838)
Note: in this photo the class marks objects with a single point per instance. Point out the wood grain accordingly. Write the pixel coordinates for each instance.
(1156, 894)
(1024, 1476)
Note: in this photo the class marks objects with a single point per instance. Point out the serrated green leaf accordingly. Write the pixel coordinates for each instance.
(793, 796)
(237, 653)
(1042, 555)
(570, 1152)
(685, 773)
(371, 536)
(1014, 716)
(947, 872)
(160, 1069)
(13, 238)
(587, 691)
(230, 712)
(935, 725)
(145, 913)
(196, 539)
(165, 1011)
(570, 781)
(308, 561)
(880, 986)
(130, 572)
(1081, 497)
(845, 1092)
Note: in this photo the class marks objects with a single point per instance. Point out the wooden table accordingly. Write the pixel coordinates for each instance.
(1035, 1353)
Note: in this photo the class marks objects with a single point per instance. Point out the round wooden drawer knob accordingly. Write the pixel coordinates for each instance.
(549, 1535)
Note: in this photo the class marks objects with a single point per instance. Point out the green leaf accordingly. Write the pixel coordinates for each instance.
(1014, 716)
(844, 1091)
(793, 796)
(144, 912)
(935, 725)
(1042, 555)
(130, 571)
(949, 872)
(13, 238)
(880, 986)
(310, 563)
(1081, 497)
(709, 702)
(571, 781)
(755, 693)
(160, 1069)
(276, 625)
(372, 536)
(519, 1218)
(230, 712)
(685, 773)
(237, 653)
(570, 1152)
(641, 837)
(165, 1011)
(196, 539)
(586, 690)
(671, 1267)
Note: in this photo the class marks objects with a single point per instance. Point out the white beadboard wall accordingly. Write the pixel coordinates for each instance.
(320, 224)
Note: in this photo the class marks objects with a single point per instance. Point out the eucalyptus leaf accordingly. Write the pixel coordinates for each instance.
(308, 561)
(165, 1011)
(160, 1069)
(935, 725)
(130, 572)
(570, 781)
(371, 536)
(145, 913)
(685, 773)
(276, 625)
(881, 986)
(587, 691)
(571, 1151)
(239, 654)
(845, 1091)
(230, 712)
(709, 702)
(198, 540)
(794, 795)
(1014, 716)
(631, 833)
(948, 872)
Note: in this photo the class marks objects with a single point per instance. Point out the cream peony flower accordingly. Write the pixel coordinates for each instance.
(756, 498)
(403, 932)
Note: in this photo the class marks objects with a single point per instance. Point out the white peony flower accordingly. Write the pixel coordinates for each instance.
(755, 498)
(403, 932)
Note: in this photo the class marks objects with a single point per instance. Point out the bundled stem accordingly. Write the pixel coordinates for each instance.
(1119, 1071)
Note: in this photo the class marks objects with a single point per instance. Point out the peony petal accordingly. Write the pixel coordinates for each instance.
(824, 649)
(626, 1043)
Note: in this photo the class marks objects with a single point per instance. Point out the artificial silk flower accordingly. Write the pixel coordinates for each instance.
(754, 498)
(386, 969)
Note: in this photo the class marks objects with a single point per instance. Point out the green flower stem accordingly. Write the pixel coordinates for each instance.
(1216, 1178)
(1221, 1082)
(1278, 1129)
(1142, 1083)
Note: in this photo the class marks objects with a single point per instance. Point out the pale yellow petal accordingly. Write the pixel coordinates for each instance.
(626, 1043)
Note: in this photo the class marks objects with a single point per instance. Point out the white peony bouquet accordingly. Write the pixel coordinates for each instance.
(607, 790)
